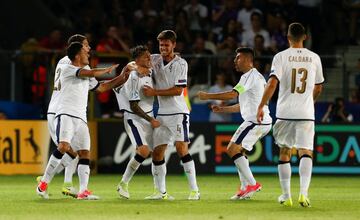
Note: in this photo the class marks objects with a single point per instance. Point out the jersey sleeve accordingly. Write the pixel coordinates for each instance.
(319, 77)
(244, 84)
(132, 88)
(181, 70)
(70, 71)
(276, 68)
(93, 84)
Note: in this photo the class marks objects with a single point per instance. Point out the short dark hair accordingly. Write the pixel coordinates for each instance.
(138, 51)
(246, 50)
(73, 49)
(167, 35)
(76, 38)
(296, 31)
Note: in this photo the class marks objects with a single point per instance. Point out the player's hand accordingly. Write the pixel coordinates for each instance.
(111, 68)
(216, 108)
(202, 95)
(154, 123)
(260, 115)
(148, 91)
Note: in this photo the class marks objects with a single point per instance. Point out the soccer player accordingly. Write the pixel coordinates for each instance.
(70, 117)
(139, 120)
(170, 74)
(94, 85)
(299, 73)
(249, 91)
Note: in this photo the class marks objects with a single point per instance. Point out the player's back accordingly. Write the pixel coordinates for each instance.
(73, 93)
(57, 85)
(298, 70)
(167, 76)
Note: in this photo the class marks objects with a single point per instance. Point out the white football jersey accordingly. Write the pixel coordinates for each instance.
(251, 87)
(74, 90)
(298, 70)
(132, 91)
(57, 85)
(167, 76)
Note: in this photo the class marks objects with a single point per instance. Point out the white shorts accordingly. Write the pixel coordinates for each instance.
(298, 134)
(139, 130)
(173, 128)
(249, 133)
(51, 127)
(72, 130)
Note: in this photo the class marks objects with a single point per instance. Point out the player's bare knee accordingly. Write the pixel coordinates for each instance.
(285, 154)
(158, 153)
(233, 149)
(143, 151)
(84, 154)
(305, 153)
(182, 148)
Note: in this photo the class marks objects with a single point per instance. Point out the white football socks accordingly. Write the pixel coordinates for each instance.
(189, 168)
(83, 173)
(160, 174)
(242, 163)
(284, 177)
(70, 170)
(305, 169)
(131, 168)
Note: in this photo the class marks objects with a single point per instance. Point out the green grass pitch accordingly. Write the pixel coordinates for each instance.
(332, 197)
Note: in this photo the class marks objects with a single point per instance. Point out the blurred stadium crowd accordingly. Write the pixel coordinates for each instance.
(208, 34)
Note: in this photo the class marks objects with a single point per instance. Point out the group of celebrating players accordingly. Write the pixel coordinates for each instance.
(296, 70)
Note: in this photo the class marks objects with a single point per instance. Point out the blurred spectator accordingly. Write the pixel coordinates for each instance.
(336, 113)
(197, 14)
(308, 13)
(353, 8)
(3, 116)
(54, 41)
(145, 11)
(233, 29)
(146, 29)
(256, 28)
(220, 86)
(279, 40)
(264, 55)
(182, 27)
(244, 14)
(198, 65)
(222, 12)
(167, 15)
(226, 57)
(113, 42)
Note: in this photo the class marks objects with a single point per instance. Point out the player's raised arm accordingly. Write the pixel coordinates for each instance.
(119, 80)
(268, 93)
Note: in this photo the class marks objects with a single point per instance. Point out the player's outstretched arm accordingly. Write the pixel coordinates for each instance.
(174, 91)
(217, 96)
(268, 93)
(117, 81)
(97, 71)
(138, 111)
(226, 109)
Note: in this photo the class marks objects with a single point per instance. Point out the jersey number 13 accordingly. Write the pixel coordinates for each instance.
(298, 87)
